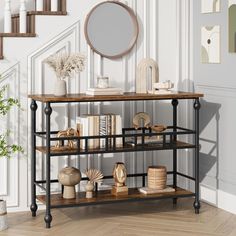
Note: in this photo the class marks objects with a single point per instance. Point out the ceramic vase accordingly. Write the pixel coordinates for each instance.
(3, 215)
(69, 177)
(89, 189)
(60, 88)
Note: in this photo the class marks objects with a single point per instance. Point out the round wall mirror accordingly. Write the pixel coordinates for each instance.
(111, 29)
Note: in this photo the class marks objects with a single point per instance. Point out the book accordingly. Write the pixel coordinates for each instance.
(147, 190)
(99, 125)
(107, 91)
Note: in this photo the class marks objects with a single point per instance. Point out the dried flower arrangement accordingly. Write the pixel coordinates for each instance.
(65, 64)
(94, 175)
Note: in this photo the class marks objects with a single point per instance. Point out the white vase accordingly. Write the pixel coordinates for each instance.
(3, 215)
(60, 88)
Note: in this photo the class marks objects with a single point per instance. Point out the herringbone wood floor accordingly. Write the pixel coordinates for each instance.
(145, 218)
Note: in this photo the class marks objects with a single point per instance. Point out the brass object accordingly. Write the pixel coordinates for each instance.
(67, 133)
(139, 117)
(120, 176)
(158, 128)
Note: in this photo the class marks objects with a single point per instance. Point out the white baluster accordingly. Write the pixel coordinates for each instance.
(23, 17)
(7, 16)
(54, 5)
(39, 5)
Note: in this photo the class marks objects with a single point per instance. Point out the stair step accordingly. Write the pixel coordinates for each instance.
(18, 35)
(42, 13)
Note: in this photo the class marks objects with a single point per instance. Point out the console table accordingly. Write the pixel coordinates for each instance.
(105, 197)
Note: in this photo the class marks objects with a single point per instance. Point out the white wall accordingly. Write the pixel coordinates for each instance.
(158, 39)
(217, 82)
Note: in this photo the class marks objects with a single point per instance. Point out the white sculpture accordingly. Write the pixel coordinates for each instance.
(144, 67)
(7, 16)
(23, 17)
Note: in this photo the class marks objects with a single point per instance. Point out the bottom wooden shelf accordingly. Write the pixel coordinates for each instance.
(105, 197)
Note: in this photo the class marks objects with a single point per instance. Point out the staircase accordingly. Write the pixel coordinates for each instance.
(15, 25)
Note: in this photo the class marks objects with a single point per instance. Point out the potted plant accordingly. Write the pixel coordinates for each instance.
(6, 149)
(65, 65)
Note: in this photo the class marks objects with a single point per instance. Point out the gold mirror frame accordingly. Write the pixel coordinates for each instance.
(135, 35)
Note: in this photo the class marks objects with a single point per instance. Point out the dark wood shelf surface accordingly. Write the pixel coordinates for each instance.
(16, 35)
(105, 197)
(106, 98)
(42, 13)
(127, 148)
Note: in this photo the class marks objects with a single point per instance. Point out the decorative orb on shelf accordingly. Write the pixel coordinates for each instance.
(69, 177)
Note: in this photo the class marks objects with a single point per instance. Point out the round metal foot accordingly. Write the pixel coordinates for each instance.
(197, 206)
(48, 220)
(34, 209)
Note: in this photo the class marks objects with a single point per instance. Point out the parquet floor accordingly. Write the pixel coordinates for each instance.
(145, 218)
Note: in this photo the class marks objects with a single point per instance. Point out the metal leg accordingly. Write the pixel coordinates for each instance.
(33, 206)
(175, 104)
(48, 216)
(197, 204)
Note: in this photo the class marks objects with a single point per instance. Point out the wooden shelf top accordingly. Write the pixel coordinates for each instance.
(127, 148)
(105, 196)
(106, 98)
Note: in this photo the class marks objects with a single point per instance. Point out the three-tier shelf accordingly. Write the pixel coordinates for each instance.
(170, 139)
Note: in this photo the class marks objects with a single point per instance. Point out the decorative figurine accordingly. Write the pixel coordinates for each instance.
(120, 176)
(102, 82)
(69, 177)
(163, 88)
(94, 176)
(67, 133)
(142, 75)
(141, 116)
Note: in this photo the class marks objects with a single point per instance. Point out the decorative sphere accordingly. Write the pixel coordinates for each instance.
(69, 176)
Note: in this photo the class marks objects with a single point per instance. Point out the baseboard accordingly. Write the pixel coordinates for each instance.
(208, 195)
(227, 201)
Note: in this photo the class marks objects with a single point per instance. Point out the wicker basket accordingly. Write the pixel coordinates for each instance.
(157, 177)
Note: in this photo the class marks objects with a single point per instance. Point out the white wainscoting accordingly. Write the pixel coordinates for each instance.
(159, 39)
(9, 169)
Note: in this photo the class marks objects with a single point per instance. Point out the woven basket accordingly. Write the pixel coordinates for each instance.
(3, 215)
(157, 177)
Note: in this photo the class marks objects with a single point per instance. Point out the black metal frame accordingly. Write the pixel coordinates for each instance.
(173, 134)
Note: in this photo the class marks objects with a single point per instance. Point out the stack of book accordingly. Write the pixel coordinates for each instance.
(99, 125)
(104, 91)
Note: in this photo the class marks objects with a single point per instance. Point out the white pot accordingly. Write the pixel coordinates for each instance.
(60, 88)
(3, 215)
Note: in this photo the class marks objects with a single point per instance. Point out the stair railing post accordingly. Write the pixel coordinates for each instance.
(7, 17)
(23, 17)
(39, 5)
(54, 5)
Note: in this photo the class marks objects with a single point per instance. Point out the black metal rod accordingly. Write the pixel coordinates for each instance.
(197, 205)
(33, 206)
(143, 181)
(175, 105)
(48, 216)
(186, 176)
(41, 186)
